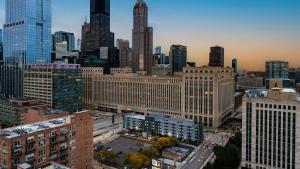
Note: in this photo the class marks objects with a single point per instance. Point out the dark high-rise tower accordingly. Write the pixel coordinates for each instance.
(216, 56)
(97, 33)
(234, 66)
(142, 38)
(178, 58)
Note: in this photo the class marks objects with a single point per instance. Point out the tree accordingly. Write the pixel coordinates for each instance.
(136, 161)
(237, 139)
(164, 142)
(227, 157)
(107, 157)
(150, 152)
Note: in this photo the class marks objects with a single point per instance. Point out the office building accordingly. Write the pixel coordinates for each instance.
(294, 74)
(234, 65)
(216, 56)
(1, 48)
(195, 94)
(26, 40)
(68, 37)
(11, 79)
(277, 70)
(88, 75)
(97, 33)
(270, 129)
(27, 32)
(67, 140)
(142, 38)
(125, 53)
(249, 82)
(158, 50)
(164, 125)
(59, 86)
(78, 45)
(162, 70)
(178, 57)
(1, 36)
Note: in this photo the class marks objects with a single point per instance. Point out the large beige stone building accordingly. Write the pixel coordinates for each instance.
(270, 138)
(204, 94)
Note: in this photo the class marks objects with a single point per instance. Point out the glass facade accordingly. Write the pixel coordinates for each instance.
(59, 86)
(27, 32)
(68, 37)
(277, 70)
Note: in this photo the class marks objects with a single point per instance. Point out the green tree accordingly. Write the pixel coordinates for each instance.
(237, 139)
(227, 157)
(136, 161)
(150, 152)
(107, 157)
(164, 142)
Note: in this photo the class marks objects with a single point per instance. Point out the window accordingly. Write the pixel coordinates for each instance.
(42, 143)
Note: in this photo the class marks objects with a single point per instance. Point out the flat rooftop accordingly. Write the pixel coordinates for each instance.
(32, 128)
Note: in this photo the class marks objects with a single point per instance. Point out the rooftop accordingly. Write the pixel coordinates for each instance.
(163, 118)
(20, 103)
(274, 93)
(31, 128)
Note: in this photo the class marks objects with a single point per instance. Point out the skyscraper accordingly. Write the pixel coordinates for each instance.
(68, 37)
(1, 48)
(0, 35)
(178, 57)
(125, 53)
(26, 40)
(27, 32)
(277, 70)
(216, 56)
(234, 66)
(97, 33)
(142, 38)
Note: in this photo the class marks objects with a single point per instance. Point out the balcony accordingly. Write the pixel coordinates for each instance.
(16, 153)
(53, 141)
(64, 133)
(30, 150)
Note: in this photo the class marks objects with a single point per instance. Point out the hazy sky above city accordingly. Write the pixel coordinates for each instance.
(253, 31)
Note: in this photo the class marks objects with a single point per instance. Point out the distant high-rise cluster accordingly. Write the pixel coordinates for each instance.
(142, 38)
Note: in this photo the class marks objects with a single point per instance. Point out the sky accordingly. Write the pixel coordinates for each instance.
(253, 31)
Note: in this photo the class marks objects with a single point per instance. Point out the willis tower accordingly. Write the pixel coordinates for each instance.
(97, 40)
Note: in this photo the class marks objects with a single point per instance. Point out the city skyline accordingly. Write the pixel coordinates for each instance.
(254, 36)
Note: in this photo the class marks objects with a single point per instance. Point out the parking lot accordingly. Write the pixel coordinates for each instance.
(123, 145)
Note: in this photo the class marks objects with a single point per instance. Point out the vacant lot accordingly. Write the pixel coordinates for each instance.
(123, 145)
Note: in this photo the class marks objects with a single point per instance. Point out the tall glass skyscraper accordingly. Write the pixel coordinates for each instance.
(27, 32)
(26, 40)
(0, 35)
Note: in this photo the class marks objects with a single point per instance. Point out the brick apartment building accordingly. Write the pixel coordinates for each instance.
(67, 141)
